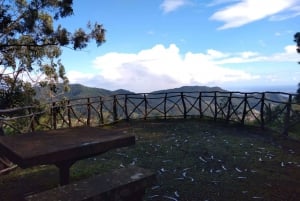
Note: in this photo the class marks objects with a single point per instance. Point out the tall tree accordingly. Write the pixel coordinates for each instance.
(30, 47)
(297, 40)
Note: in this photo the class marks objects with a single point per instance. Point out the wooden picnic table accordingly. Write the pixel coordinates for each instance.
(61, 147)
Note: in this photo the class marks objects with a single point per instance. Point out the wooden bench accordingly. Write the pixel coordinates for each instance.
(126, 184)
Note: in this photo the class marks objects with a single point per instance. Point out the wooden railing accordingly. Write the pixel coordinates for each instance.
(274, 110)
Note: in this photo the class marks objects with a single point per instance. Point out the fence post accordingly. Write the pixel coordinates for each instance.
(200, 104)
(245, 109)
(183, 104)
(216, 106)
(229, 107)
(125, 106)
(88, 121)
(101, 111)
(146, 113)
(286, 125)
(262, 107)
(165, 105)
(115, 112)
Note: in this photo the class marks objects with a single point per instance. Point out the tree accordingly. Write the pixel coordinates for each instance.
(30, 47)
(297, 40)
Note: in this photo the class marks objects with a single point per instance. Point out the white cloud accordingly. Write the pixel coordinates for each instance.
(291, 13)
(158, 68)
(216, 54)
(248, 54)
(172, 5)
(78, 77)
(247, 11)
(163, 67)
(288, 55)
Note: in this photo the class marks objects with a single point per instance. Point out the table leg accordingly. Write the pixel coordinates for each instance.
(64, 171)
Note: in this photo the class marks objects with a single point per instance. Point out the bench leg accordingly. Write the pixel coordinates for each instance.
(64, 171)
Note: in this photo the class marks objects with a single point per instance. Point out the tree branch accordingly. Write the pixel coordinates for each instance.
(28, 45)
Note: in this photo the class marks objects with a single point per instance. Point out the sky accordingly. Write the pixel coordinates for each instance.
(163, 44)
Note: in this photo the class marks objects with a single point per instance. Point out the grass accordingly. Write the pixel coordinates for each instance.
(192, 159)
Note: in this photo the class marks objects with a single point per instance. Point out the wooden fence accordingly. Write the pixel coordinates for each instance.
(274, 110)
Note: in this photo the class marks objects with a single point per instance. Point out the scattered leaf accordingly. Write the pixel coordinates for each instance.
(202, 159)
(238, 170)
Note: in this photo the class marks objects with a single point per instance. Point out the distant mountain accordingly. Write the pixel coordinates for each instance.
(81, 91)
(191, 89)
(281, 88)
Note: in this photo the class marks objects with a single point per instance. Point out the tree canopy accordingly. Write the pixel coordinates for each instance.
(297, 40)
(30, 46)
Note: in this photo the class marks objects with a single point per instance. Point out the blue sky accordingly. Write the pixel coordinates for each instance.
(161, 44)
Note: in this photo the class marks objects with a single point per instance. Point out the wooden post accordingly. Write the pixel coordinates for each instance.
(101, 111)
(286, 125)
(125, 106)
(145, 101)
(229, 107)
(183, 104)
(88, 121)
(115, 112)
(216, 106)
(200, 104)
(165, 105)
(245, 109)
(262, 107)
(64, 171)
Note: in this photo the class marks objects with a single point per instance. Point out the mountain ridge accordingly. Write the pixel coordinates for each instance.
(81, 91)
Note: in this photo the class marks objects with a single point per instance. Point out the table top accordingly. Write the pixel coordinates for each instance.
(55, 146)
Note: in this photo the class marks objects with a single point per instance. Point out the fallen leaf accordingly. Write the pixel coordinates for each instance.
(237, 169)
(171, 198)
(202, 159)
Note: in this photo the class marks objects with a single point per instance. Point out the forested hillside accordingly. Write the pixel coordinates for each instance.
(77, 91)
(81, 91)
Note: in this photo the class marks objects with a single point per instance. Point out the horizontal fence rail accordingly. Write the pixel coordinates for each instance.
(276, 110)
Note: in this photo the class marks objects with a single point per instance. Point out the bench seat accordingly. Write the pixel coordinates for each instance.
(126, 184)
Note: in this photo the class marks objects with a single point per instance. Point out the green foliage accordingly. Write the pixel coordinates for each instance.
(30, 44)
(30, 47)
(20, 94)
(297, 40)
(297, 98)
